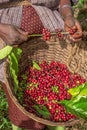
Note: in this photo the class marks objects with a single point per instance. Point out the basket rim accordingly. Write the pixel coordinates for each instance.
(30, 115)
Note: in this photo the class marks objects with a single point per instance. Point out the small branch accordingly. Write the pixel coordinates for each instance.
(52, 34)
(35, 35)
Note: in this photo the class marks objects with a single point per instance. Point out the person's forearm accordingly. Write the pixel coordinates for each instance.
(65, 8)
(1, 27)
(4, 1)
(62, 2)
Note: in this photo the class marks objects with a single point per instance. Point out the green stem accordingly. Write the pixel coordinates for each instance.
(35, 35)
(52, 34)
(40, 35)
(56, 127)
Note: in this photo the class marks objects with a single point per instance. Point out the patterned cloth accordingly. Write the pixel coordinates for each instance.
(30, 21)
(52, 4)
(43, 10)
(51, 19)
(36, 17)
(44, 15)
(11, 16)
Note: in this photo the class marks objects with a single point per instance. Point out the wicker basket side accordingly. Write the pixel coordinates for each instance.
(38, 50)
(24, 119)
(17, 114)
(71, 54)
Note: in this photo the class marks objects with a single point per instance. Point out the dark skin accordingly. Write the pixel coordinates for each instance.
(70, 22)
(12, 35)
(77, 36)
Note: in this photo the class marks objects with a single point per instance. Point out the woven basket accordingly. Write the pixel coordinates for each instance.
(73, 55)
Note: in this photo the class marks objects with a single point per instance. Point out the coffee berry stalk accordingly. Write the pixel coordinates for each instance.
(52, 34)
(46, 34)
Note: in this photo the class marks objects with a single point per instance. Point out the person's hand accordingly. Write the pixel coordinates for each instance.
(74, 28)
(12, 35)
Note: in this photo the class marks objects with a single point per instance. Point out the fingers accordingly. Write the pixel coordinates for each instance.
(4, 38)
(75, 40)
(18, 36)
(75, 31)
(21, 31)
(12, 35)
(14, 39)
(23, 36)
(77, 35)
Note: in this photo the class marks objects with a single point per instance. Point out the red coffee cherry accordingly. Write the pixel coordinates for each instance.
(72, 31)
(59, 33)
(46, 34)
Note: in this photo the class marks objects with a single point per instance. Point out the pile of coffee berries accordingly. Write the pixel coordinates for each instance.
(48, 86)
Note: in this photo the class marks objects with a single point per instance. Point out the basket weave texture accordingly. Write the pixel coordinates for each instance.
(73, 55)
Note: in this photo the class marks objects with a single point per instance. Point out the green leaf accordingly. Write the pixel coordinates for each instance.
(78, 104)
(80, 4)
(14, 57)
(80, 90)
(4, 52)
(77, 107)
(43, 111)
(16, 128)
(83, 91)
(36, 66)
